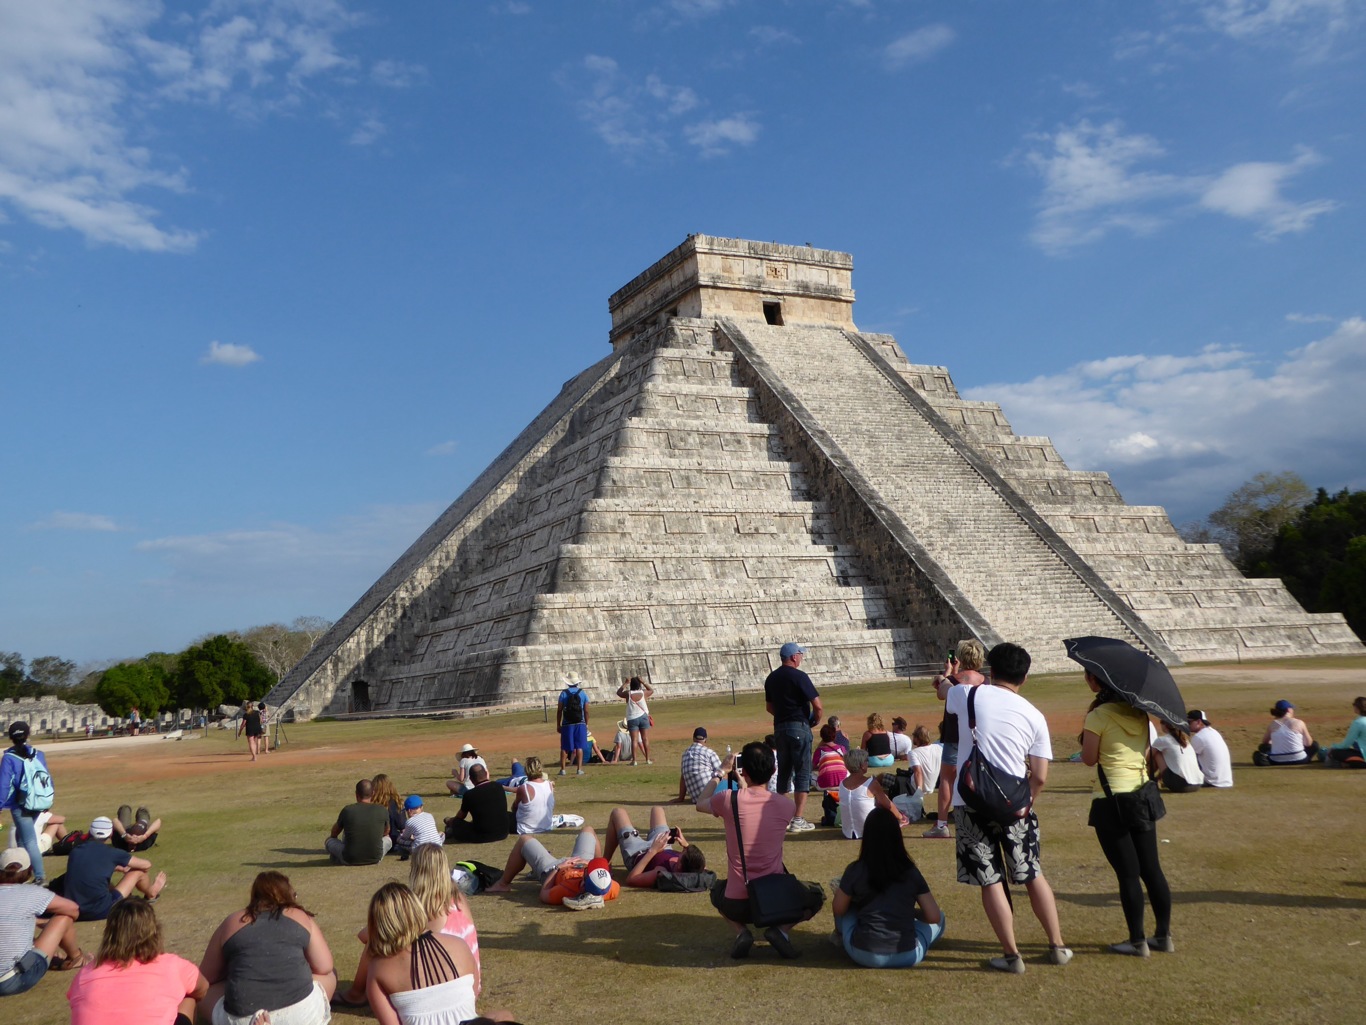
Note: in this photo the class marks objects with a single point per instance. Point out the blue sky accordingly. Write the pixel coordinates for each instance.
(278, 278)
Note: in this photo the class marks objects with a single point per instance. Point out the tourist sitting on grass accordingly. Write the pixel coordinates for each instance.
(859, 794)
(360, 836)
(1286, 740)
(135, 831)
(515, 778)
(90, 866)
(653, 857)
(621, 745)
(1172, 761)
(828, 760)
(459, 783)
(533, 806)
(25, 958)
(582, 880)
(386, 795)
(420, 828)
(697, 767)
(417, 976)
(885, 915)
(1351, 753)
(269, 957)
(483, 815)
(51, 829)
(1216, 764)
(133, 978)
(878, 743)
(902, 744)
(927, 759)
(448, 912)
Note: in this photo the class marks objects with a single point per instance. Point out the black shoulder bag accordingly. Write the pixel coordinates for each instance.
(991, 792)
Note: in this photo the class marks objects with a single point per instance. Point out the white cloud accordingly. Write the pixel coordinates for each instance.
(76, 521)
(1183, 431)
(368, 131)
(1252, 191)
(638, 118)
(699, 8)
(228, 355)
(1309, 318)
(1094, 184)
(1280, 20)
(771, 35)
(445, 448)
(715, 138)
(394, 74)
(920, 45)
(79, 75)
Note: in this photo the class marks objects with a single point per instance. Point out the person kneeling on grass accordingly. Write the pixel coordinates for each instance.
(885, 915)
(581, 881)
(23, 959)
(133, 978)
(652, 861)
(90, 866)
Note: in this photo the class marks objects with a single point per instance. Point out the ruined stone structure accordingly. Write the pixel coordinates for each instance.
(745, 468)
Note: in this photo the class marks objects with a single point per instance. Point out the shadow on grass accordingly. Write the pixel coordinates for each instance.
(1245, 897)
(315, 858)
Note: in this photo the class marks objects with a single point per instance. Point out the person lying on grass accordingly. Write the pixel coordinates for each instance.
(581, 881)
(652, 861)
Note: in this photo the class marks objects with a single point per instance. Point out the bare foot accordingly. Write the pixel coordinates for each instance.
(158, 884)
(499, 887)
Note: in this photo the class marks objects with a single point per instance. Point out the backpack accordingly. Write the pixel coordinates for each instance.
(991, 792)
(34, 786)
(476, 876)
(573, 707)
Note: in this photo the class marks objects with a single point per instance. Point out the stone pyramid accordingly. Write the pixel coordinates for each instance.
(746, 468)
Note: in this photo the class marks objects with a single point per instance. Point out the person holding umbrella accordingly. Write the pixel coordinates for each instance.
(1128, 685)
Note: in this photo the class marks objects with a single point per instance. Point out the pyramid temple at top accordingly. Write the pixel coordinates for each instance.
(747, 468)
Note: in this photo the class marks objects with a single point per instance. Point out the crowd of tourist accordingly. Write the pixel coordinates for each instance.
(270, 964)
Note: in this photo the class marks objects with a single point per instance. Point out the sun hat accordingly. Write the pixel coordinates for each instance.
(15, 857)
(468, 749)
(597, 877)
(412, 802)
(102, 828)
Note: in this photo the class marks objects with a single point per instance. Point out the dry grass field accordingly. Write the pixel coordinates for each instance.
(1269, 878)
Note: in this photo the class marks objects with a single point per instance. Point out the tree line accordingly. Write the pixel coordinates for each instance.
(226, 668)
(1276, 526)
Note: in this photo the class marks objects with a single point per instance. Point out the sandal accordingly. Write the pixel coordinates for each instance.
(79, 960)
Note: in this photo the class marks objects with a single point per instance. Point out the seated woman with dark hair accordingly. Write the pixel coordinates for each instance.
(1287, 740)
(269, 961)
(885, 915)
(416, 975)
(1351, 753)
(1172, 761)
(133, 977)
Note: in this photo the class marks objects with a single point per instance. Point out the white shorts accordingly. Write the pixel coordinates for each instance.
(313, 1009)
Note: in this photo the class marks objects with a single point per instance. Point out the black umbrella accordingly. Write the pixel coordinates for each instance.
(1143, 681)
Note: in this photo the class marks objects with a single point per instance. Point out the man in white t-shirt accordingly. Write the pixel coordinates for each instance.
(1216, 765)
(1013, 735)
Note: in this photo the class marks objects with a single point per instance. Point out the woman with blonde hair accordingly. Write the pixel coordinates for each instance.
(386, 795)
(269, 964)
(448, 912)
(878, 743)
(533, 807)
(417, 976)
(133, 975)
(963, 666)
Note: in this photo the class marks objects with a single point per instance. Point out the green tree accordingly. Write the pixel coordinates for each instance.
(219, 670)
(51, 673)
(1321, 556)
(1247, 524)
(142, 684)
(12, 674)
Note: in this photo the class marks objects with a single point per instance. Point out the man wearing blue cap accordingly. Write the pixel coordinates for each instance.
(796, 707)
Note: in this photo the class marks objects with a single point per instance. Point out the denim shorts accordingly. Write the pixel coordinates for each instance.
(31, 968)
(950, 755)
(633, 845)
(641, 725)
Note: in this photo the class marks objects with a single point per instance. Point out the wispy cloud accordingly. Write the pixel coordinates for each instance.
(394, 74)
(638, 117)
(445, 448)
(1095, 182)
(70, 157)
(1185, 430)
(772, 35)
(1309, 318)
(76, 521)
(1306, 24)
(370, 130)
(918, 46)
(228, 355)
(714, 138)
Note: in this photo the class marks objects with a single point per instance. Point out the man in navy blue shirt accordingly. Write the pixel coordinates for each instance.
(90, 866)
(796, 707)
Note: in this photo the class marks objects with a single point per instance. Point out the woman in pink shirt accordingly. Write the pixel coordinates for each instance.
(132, 977)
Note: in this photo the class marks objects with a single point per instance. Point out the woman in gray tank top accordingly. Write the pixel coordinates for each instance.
(269, 957)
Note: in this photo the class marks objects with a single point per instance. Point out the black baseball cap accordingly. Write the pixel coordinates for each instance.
(18, 732)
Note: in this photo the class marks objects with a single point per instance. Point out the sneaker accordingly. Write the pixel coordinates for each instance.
(581, 773)
(584, 902)
(1011, 964)
(561, 772)
(799, 825)
(1161, 944)
(781, 943)
(1059, 955)
(649, 761)
(743, 941)
(1133, 948)
(937, 832)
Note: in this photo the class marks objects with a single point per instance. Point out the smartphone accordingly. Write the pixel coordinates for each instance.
(952, 655)
(673, 834)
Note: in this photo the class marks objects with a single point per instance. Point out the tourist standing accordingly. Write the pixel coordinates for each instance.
(792, 700)
(571, 721)
(26, 789)
(637, 694)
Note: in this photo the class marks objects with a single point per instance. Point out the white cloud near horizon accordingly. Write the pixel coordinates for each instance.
(918, 46)
(444, 448)
(60, 520)
(1184, 431)
(228, 355)
(1095, 182)
(641, 118)
(79, 76)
